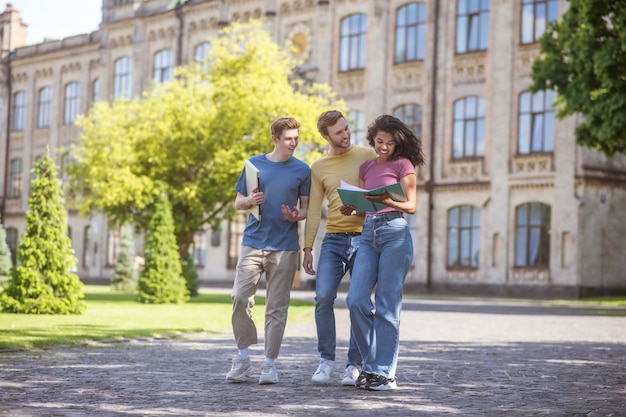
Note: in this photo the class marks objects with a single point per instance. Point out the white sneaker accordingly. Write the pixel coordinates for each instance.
(241, 369)
(350, 375)
(268, 374)
(323, 372)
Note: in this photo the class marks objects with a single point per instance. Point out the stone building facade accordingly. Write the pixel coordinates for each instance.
(507, 203)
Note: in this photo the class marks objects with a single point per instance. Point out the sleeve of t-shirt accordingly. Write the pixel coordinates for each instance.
(405, 168)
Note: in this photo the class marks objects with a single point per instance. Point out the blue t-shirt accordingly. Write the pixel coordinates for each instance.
(282, 183)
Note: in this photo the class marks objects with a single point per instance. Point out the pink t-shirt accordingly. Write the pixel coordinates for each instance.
(376, 174)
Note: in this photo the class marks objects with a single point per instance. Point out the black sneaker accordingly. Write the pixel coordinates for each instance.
(380, 383)
(362, 379)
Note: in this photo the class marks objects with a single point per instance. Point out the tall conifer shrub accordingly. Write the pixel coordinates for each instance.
(44, 281)
(161, 280)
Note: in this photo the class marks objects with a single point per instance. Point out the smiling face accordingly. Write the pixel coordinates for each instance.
(384, 145)
(286, 143)
(339, 136)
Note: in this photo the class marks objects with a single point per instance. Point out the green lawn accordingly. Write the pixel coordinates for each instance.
(112, 315)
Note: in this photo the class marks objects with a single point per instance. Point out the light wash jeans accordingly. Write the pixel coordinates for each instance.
(280, 269)
(336, 258)
(383, 260)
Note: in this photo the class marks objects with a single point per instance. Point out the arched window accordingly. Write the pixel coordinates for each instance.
(163, 68)
(469, 128)
(72, 102)
(201, 54)
(19, 111)
(472, 25)
(44, 107)
(356, 121)
(532, 235)
(463, 236)
(352, 44)
(122, 78)
(410, 33)
(411, 115)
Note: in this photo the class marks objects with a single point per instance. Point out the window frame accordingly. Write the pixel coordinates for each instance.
(18, 121)
(411, 115)
(477, 20)
(464, 237)
(16, 178)
(44, 107)
(531, 22)
(410, 35)
(542, 260)
(122, 78)
(71, 102)
(541, 120)
(471, 126)
(353, 42)
(163, 66)
(358, 130)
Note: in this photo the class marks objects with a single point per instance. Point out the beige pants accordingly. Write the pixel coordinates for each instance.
(280, 269)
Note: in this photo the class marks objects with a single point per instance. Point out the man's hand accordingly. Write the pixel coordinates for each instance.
(291, 215)
(307, 262)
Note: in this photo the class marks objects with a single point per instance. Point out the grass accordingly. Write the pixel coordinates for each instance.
(116, 316)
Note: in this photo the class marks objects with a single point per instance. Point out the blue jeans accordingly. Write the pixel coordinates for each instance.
(336, 258)
(383, 260)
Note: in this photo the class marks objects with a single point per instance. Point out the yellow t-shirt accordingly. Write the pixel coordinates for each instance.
(326, 174)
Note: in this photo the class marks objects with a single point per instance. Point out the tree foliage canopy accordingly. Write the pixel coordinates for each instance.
(44, 282)
(584, 61)
(192, 134)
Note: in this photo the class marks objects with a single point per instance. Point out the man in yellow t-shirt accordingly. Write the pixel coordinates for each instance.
(340, 242)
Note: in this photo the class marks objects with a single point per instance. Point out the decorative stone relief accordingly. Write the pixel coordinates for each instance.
(406, 80)
(41, 137)
(74, 66)
(525, 61)
(465, 169)
(351, 86)
(532, 164)
(44, 72)
(16, 141)
(468, 71)
(530, 275)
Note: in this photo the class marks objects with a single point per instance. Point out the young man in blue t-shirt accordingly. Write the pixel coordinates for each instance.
(269, 246)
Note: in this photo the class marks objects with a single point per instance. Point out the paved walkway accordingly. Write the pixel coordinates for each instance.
(458, 357)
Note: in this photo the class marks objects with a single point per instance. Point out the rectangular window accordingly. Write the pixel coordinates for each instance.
(44, 110)
(536, 14)
(19, 111)
(410, 33)
(163, 66)
(72, 102)
(536, 120)
(472, 25)
(122, 78)
(352, 44)
(15, 178)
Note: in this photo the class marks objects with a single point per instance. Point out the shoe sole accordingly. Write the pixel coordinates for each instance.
(241, 378)
(348, 383)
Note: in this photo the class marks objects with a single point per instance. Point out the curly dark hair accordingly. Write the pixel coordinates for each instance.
(407, 143)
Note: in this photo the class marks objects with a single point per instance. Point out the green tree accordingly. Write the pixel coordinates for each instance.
(5, 256)
(161, 280)
(193, 134)
(191, 275)
(43, 282)
(584, 60)
(125, 276)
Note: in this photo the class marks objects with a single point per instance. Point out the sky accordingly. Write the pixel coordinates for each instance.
(57, 18)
